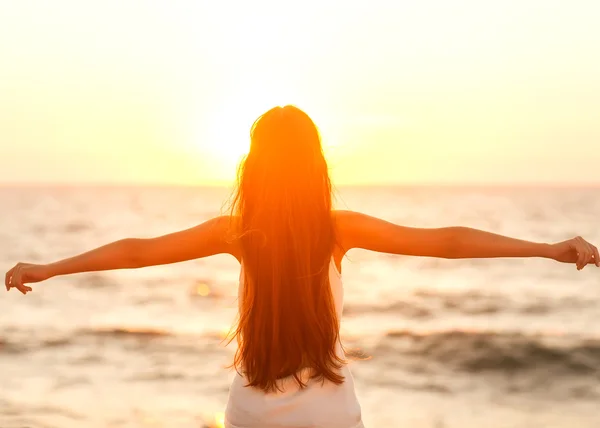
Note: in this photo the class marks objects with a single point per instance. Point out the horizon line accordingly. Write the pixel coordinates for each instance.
(523, 184)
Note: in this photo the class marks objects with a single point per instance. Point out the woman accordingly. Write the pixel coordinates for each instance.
(290, 244)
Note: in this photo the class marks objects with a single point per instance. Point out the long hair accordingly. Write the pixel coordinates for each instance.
(282, 206)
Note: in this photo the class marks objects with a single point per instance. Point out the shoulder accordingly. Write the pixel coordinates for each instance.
(344, 216)
(226, 230)
(358, 230)
(346, 223)
(222, 227)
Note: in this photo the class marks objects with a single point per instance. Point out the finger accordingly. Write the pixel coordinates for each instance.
(586, 258)
(15, 279)
(591, 254)
(8, 277)
(596, 256)
(24, 289)
(580, 256)
(585, 252)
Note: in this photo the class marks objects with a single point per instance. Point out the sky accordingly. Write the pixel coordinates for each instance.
(404, 92)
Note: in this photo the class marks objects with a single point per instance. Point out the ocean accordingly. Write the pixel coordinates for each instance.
(435, 343)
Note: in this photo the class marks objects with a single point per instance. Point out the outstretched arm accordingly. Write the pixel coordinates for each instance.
(358, 230)
(203, 240)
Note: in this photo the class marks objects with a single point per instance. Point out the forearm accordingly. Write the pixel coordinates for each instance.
(474, 243)
(116, 255)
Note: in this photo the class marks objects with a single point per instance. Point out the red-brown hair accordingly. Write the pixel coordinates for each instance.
(282, 207)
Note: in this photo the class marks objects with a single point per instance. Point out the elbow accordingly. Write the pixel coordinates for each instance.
(131, 254)
(453, 243)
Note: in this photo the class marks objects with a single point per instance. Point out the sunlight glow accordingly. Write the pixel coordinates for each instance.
(202, 290)
(402, 92)
(220, 420)
(230, 121)
(227, 136)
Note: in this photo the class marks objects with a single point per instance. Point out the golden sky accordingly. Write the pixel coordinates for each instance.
(403, 91)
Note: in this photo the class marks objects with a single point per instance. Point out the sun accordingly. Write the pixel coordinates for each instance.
(227, 136)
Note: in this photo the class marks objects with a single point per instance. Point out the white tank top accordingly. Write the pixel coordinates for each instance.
(319, 405)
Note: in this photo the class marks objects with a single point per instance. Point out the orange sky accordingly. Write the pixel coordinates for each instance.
(404, 92)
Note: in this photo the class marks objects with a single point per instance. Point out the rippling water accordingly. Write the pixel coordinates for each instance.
(437, 343)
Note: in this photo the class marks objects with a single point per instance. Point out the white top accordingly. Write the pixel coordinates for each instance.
(319, 405)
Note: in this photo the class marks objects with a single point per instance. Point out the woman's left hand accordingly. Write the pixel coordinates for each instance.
(576, 250)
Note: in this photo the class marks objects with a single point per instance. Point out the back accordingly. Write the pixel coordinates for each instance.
(321, 404)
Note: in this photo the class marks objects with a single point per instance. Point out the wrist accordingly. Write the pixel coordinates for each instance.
(50, 270)
(547, 251)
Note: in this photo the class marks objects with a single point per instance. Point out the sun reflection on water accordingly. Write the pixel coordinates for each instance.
(220, 420)
(202, 290)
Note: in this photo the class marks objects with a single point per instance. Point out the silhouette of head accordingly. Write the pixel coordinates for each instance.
(285, 158)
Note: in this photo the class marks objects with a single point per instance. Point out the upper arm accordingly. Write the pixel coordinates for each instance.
(206, 239)
(356, 230)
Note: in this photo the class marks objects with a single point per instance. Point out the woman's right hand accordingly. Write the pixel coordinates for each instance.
(25, 273)
(576, 250)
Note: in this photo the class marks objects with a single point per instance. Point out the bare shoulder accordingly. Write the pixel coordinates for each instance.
(217, 235)
(358, 230)
(228, 228)
(347, 223)
(344, 217)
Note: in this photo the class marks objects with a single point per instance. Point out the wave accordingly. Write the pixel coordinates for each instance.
(406, 309)
(18, 341)
(24, 342)
(426, 303)
(469, 302)
(8, 347)
(76, 227)
(489, 351)
(468, 351)
(119, 332)
(158, 376)
(96, 280)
